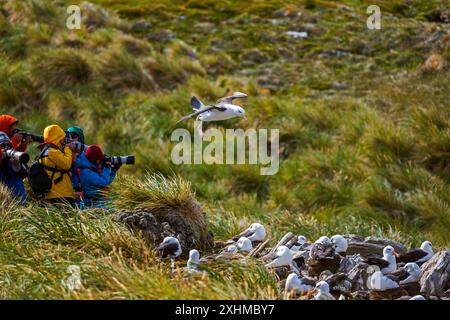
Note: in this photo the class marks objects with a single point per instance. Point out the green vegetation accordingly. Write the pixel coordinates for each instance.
(363, 118)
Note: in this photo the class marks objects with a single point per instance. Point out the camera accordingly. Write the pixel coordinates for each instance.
(119, 160)
(78, 146)
(22, 157)
(25, 135)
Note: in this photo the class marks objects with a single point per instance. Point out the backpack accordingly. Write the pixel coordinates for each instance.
(40, 182)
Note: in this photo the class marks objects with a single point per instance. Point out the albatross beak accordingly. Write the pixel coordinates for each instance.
(245, 118)
(396, 254)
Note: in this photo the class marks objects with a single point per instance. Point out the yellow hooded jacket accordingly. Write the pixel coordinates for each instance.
(60, 160)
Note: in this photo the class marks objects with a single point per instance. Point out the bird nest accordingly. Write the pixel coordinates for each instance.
(187, 223)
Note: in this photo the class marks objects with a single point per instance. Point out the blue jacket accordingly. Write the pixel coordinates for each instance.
(13, 180)
(87, 176)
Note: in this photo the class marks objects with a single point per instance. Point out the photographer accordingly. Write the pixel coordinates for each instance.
(8, 125)
(57, 157)
(12, 171)
(93, 176)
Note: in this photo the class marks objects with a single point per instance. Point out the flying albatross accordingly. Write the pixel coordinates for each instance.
(418, 256)
(170, 248)
(223, 109)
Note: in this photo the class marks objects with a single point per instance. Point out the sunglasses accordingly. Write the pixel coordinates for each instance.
(72, 135)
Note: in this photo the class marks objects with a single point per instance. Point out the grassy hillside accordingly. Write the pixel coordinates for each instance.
(364, 121)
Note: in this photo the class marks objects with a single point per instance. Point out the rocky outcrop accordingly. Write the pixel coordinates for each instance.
(187, 223)
(371, 246)
(435, 276)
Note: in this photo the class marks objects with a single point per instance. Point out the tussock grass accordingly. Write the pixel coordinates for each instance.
(64, 69)
(121, 71)
(364, 133)
(154, 191)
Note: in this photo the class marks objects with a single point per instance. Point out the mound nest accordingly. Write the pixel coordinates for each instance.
(187, 223)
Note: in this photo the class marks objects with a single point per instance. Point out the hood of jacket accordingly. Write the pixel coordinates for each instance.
(83, 162)
(54, 134)
(6, 122)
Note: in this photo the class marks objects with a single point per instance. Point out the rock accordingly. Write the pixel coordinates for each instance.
(254, 56)
(289, 12)
(206, 27)
(436, 37)
(338, 282)
(297, 34)
(390, 294)
(284, 53)
(360, 295)
(435, 62)
(398, 247)
(373, 246)
(282, 272)
(162, 36)
(349, 262)
(339, 85)
(270, 82)
(413, 288)
(364, 249)
(435, 274)
(438, 15)
(360, 276)
(354, 238)
(141, 26)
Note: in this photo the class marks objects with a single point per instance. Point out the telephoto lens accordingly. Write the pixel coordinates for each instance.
(119, 160)
(17, 155)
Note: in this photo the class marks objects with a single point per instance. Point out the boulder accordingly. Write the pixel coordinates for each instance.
(390, 294)
(372, 246)
(359, 276)
(435, 274)
(398, 247)
(141, 26)
(162, 36)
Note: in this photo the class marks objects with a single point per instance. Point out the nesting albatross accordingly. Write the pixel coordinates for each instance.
(419, 256)
(387, 263)
(170, 248)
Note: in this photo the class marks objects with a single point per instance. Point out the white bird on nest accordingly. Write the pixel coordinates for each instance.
(283, 258)
(244, 244)
(323, 291)
(298, 285)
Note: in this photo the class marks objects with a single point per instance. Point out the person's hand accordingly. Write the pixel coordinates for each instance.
(116, 167)
(75, 146)
(18, 136)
